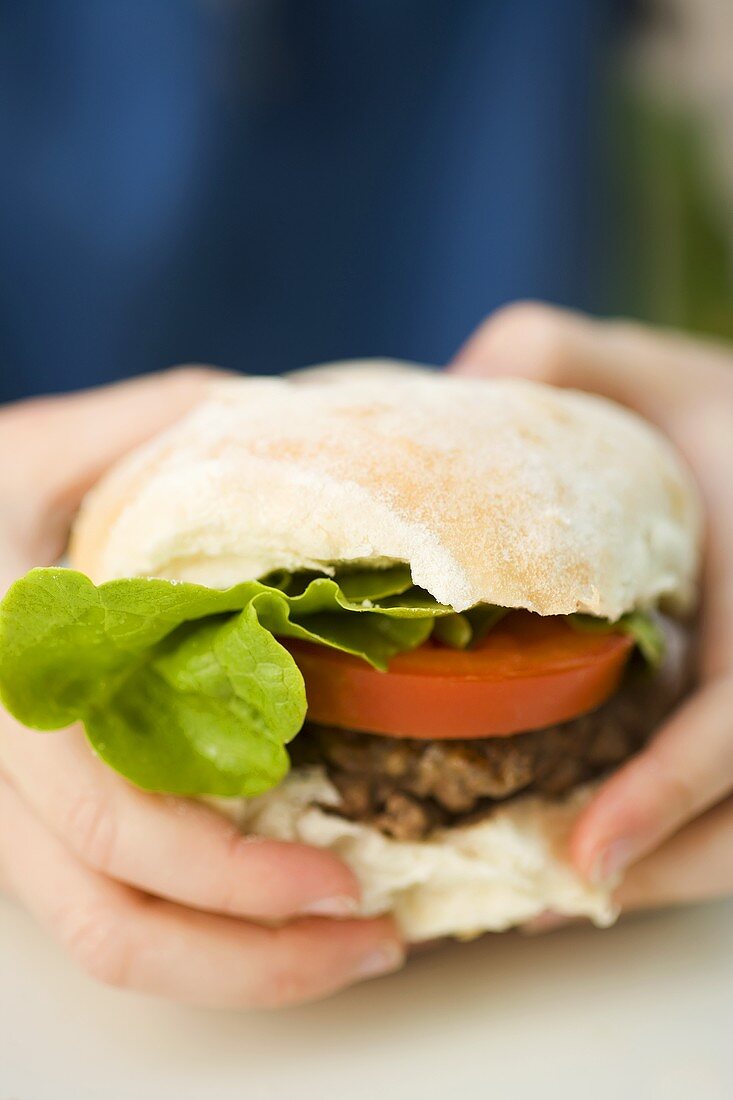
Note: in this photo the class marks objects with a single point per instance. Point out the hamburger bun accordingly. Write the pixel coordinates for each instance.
(506, 492)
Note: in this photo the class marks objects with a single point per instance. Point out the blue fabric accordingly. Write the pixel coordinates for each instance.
(269, 183)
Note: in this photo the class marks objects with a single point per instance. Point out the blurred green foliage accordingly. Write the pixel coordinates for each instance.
(672, 241)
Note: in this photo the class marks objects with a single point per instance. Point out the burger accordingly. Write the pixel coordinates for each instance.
(408, 617)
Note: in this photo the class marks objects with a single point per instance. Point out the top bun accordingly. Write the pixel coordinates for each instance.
(501, 491)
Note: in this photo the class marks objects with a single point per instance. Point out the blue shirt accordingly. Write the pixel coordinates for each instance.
(267, 183)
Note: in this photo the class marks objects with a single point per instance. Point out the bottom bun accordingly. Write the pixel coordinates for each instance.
(485, 877)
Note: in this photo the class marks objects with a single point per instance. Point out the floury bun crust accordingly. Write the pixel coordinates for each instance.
(502, 491)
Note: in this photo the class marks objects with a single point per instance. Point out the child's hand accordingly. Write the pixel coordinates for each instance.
(150, 892)
(668, 813)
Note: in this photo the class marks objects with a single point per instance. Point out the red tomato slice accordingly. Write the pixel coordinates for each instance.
(528, 673)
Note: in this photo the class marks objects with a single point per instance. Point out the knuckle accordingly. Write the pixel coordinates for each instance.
(192, 374)
(90, 827)
(661, 799)
(526, 316)
(680, 795)
(533, 326)
(523, 313)
(285, 986)
(290, 978)
(95, 939)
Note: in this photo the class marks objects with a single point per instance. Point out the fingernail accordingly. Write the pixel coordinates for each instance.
(611, 862)
(339, 906)
(381, 960)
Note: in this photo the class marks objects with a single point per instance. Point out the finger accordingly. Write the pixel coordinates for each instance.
(685, 386)
(174, 848)
(695, 865)
(647, 369)
(687, 768)
(75, 437)
(125, 939)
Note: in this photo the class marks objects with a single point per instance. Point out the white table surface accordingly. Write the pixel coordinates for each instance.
(642, 1010)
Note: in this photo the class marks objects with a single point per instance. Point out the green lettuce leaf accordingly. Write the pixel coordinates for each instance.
(463, 629)
(186, 689)
(454, 631)
(645, 631)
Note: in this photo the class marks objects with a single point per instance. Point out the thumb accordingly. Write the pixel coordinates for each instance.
(653, 371)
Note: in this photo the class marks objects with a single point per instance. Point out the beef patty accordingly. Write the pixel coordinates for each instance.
(408, 787)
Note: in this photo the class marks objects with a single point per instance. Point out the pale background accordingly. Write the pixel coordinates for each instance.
(642, 1010)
